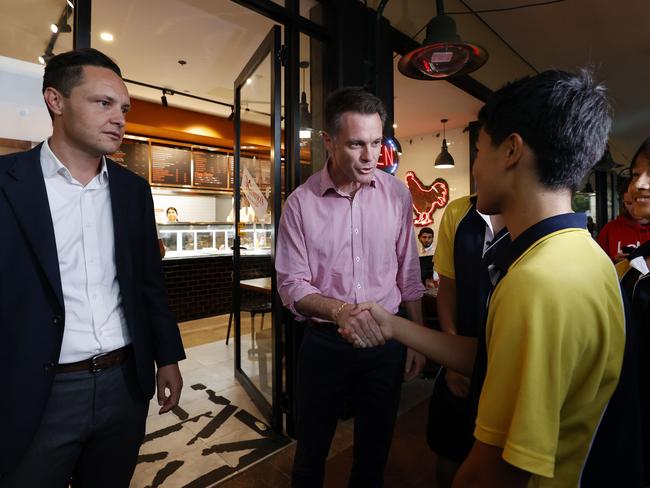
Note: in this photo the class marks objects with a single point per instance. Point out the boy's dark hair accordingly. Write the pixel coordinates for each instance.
(643, 149)
(351, 99)
(65, 71)
(564, 118)
(425, 230)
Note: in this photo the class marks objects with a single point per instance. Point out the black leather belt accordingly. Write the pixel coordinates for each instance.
(326, 327)
(98, 363)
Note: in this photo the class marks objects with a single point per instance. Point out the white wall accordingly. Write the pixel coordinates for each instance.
(419, 153)
(191, 208)
(24, 115)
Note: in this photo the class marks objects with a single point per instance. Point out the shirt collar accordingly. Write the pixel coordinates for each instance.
(638, 258)
(327, 184)
(533, 234)
(51, 165)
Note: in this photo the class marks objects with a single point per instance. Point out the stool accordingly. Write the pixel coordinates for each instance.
(260, 308)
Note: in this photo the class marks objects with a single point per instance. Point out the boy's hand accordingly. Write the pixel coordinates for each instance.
(360, 328)
(381, 316)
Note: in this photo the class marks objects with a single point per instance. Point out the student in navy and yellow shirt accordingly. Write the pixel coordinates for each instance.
(552, 354)
(634, 272)
(466, 246)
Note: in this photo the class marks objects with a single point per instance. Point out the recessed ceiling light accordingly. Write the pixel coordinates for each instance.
(394, 126)
(54, 28)
(249, 81)
(41, 59)
(106, 36)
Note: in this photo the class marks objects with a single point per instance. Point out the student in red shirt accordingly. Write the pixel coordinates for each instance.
(625, 233)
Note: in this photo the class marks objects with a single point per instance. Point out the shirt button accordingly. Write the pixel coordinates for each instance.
(356, 231)
(358, 285)
(357, 259)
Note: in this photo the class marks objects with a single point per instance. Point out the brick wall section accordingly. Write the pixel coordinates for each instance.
(202, 287)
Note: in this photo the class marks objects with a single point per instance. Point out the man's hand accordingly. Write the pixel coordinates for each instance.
(168, 378)
(414, 364)
(360, 326)
(457, 383)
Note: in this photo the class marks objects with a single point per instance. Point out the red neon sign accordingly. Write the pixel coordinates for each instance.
(426, 198)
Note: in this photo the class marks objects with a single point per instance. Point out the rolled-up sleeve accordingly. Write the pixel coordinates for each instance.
(408, 264)
(291, 263)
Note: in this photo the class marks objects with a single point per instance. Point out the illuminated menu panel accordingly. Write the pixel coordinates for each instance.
(210, 170)
(170, 165)
(133, 155)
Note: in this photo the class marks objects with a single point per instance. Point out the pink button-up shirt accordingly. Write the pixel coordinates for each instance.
(353, 249)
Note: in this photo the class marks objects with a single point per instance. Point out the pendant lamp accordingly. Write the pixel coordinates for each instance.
(443, 53)
(444, 159)
(305, 117)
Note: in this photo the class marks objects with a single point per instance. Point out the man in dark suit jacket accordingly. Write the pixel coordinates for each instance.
(83, 306)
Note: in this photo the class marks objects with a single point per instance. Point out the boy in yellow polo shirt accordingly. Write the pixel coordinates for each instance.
(551, 354)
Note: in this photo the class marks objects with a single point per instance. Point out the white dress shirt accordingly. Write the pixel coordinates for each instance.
(85, 245)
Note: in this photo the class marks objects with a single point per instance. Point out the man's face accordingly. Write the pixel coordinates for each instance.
(426, 239)
(639, 188)
(484, 169)
(354, 150)
(93, 116)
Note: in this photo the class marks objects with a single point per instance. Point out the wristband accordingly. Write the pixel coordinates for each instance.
(338, 311)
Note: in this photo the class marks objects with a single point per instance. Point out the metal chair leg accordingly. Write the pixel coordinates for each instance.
(229, 324)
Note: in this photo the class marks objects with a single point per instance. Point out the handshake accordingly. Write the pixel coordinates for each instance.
(365, 325)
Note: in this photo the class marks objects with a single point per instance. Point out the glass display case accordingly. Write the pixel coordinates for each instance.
(187, 240)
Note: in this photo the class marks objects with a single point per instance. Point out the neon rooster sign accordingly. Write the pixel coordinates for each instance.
(426, 198)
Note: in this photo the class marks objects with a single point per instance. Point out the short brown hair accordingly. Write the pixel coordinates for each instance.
(65, 71)
(351, 99)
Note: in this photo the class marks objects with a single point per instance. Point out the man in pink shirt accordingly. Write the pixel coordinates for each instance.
(346, 236)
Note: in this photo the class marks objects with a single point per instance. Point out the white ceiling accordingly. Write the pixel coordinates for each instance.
(216, 38)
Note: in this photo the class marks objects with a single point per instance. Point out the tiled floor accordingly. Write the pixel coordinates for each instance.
(217, 430)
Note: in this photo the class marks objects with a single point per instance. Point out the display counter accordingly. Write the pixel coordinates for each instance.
(193, 240)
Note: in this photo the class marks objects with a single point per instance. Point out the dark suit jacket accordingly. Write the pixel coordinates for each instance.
(32, 314)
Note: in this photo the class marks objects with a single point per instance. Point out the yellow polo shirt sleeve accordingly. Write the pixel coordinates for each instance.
(443, 260)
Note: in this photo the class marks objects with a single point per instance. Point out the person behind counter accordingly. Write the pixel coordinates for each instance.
(551, 362)
(172, 214)
(84, 316)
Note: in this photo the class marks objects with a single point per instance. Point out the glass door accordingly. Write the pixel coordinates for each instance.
(257, 199)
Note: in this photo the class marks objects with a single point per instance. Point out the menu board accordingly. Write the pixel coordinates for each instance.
(133, 155)
(170, 165)
(210, 170)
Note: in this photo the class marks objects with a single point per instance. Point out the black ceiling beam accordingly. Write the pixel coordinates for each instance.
(282, 15)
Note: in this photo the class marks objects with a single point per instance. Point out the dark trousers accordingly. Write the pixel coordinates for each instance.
(90, 433)
(329, 371)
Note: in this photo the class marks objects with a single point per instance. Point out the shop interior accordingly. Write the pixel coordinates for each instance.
(180, 60)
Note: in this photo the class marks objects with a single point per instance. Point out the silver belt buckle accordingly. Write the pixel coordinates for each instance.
(94, 367)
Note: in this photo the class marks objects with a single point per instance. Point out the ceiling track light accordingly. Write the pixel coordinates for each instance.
(443, 53)
(444, 159)
(163, 98)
